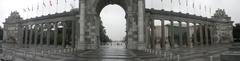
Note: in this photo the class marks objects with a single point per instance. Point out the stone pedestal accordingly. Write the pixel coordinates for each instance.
(233, 54)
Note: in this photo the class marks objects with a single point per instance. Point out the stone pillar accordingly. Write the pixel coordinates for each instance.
(201, 34)
(63, 34)
(48, 26)
(141, 34)
(20, 35)
(211, 34)
(81, 21)
(73, 33)
(173, 43)
(55, 34)
(131, 43)
(153, 37)
(36, 35)
(206, 35)
(195, 35)
(26, 34)
(189, 42)
(163, 34)
(31, 34)
(180, 34)
(41, 34)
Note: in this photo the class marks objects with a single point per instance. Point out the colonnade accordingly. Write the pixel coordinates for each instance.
(59, 34)
(175, 35)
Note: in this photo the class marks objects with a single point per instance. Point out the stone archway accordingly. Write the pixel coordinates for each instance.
(88, 24)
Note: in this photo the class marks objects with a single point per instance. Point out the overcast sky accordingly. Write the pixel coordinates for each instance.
(113, 15)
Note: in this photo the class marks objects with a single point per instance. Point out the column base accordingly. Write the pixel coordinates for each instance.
(141, 46)
(131, 45)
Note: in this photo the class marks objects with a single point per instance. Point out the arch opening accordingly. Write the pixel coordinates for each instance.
(113, 23)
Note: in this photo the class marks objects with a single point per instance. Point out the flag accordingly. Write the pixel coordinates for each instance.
(179, 2)
(205, 7)
(38, 7)
(50, 2)
(32, 8)
(44, 4)
(24, 10)
(186, 2)
(171, 1)
(161, 0)
(210, 10)
(193, 5)
(65, 1)
(29, 9)
(200, 7)
(57, 2)
(72, 6)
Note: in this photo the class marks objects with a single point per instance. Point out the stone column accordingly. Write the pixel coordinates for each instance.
(41, 34)
(131, 44)
(206, 35)
(63, 34)
(48, 26)
(55, 34)
(173, 44)
(141, 34)
(73, 33)
(36, 35)
(189, 42)
(163, 34)
(180, 34)
(153, 37)
(31, 34)
(201, 34)
(81, 21)
(195, 35)
(211, 34)
(26, 34)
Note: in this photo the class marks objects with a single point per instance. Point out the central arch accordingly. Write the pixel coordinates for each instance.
(90, 21)
(113, 26)
(100, 4)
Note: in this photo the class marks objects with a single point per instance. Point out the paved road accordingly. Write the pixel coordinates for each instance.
(111, 54)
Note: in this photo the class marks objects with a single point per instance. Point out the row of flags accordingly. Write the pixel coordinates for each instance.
(45, 4)
(201, 7)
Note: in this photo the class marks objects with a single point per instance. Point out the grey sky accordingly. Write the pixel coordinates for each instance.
(115, 23)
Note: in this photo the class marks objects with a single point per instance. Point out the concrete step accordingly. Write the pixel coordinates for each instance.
(236, 44)
(234, 48)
